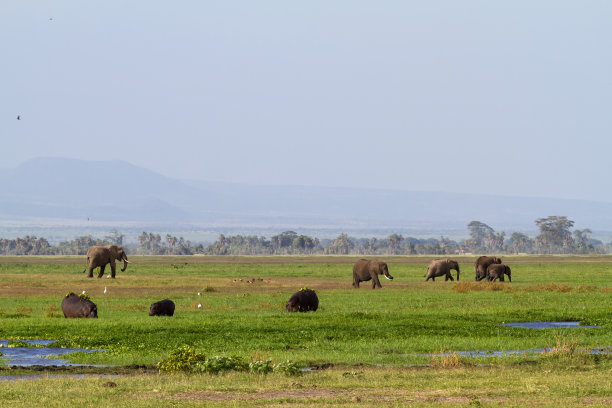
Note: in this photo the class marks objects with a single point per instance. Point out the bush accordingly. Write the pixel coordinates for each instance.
(183, 358)
(186, 359)
(261, 366)
(216, 364)
(287, 367)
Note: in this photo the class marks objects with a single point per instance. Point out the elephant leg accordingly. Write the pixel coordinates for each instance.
(501, 278)
(356, 283)
(90, 275)
(375, 282)
(113, 268)
(101, 271)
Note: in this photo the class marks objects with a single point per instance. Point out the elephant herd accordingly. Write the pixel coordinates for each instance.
(489, 267)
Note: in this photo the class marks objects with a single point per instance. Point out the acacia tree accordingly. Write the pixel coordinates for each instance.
(521, 243)
(582, 240)
(395, 241)
(555, 235)
(478, 233)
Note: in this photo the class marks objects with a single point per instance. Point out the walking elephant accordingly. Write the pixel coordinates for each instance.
(440, 267)
(497, 271)
(99, 256)
(365, 270)
(481, 265)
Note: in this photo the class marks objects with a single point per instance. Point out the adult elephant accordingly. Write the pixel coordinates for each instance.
(365, 270)
(441, 267)
(481, 265)
(100, 256)
(497, 271)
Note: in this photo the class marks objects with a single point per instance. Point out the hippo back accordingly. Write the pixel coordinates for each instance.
(74, 306)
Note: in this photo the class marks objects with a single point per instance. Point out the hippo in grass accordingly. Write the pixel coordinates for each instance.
(162, 308)
(304, 300)
(78, 306)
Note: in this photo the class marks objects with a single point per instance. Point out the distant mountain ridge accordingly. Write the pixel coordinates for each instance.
(118, 191)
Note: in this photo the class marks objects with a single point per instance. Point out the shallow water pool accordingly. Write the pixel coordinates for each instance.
(38, 356)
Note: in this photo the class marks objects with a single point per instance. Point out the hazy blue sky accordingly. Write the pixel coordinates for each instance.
(503, 97)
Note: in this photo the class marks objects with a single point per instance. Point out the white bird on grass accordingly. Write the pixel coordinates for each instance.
(199, 293)
(199, 305)
(105, 289)
(83, 292)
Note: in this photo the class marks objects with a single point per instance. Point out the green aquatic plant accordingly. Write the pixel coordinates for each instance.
(19, 343)
(70, 294)
(84, 297)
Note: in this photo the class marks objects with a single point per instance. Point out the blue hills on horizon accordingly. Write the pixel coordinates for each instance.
(116, 191)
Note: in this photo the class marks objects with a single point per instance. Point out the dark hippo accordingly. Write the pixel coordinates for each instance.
(305, 300)
(78, 306)
(162, 308)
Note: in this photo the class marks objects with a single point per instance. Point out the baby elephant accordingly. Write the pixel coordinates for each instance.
(497, 271)
(79, 306)
(305, 300)
(162, 308)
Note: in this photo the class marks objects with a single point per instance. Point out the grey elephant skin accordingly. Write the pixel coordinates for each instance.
(304, 300)
(497, 271)
(441, 267)
(162, 308)
(365, 270)
(481, 265)
(74, 306)
(100, 256)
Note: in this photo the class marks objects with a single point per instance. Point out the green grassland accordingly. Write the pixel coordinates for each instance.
(375, 342)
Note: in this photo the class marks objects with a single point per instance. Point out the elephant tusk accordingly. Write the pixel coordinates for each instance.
(389, 278)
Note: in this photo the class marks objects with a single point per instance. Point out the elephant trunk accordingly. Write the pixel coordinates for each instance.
(457, 274)
(125, 262)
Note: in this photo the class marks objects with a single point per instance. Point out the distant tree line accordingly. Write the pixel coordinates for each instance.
(555, 237)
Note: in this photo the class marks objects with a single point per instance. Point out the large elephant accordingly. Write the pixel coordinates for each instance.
(101, 255)
(365, 270)
(440, 267)
(481, 265)
(78, 306)
(497, 271)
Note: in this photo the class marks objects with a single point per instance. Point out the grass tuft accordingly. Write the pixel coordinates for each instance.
(445, 359)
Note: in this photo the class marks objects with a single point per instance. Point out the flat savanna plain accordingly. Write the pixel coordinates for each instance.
(364, 347)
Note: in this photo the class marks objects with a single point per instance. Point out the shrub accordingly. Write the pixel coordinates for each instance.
(180, 359)
(261, 366)
(287, 367)
(217, 364)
